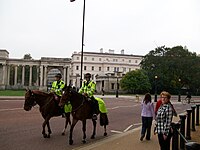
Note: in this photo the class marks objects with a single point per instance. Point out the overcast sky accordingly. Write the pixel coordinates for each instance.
(53, 28)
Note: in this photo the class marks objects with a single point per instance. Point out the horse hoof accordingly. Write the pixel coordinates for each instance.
(83, 141)
(63, 133)
(45, 135)
(70, 142)
(48, 136)
(92, 137)
(105, 134)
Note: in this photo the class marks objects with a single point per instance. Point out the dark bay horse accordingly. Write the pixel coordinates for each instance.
(81, 110)
(48, 108)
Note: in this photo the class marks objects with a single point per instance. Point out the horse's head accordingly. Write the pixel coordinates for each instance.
(66, 95)
(29, 100)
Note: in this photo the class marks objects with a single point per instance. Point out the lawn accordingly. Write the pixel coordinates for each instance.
(12, 92)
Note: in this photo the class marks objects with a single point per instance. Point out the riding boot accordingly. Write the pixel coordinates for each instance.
(94, 108)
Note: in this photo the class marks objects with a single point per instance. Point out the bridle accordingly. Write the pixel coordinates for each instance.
(30, 101)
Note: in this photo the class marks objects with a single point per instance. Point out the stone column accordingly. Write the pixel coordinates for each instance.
(64, 74)
(41, 76)
(37, 80)
(8, 76)
(4, 74)
(45, 75)
(67, 81)
(15, 79)
(30, 75)
(23, 74)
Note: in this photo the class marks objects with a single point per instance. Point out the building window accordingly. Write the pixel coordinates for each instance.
(122, 59)
(92, 59)
(77, 58)
(92, 67)
(129, 61)
(99, 59)
(99, 68)
(108, 68)
(85, 58)
(112, 86)
(129, 69)
(84, 67)
(136, 61)
(77, 67)
(124, 69)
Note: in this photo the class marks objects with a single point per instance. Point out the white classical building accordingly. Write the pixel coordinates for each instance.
(105, 67)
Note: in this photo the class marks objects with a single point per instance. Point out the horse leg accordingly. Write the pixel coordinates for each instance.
(44, 125)
(94, 129)
(67, 119)
(84, 130)
(71, 131)
(49, 129)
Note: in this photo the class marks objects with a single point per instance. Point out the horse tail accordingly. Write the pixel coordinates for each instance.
(103, 119)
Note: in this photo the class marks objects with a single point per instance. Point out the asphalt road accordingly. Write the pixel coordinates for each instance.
(21, 130)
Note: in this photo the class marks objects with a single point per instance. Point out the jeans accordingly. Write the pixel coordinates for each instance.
(146, 126)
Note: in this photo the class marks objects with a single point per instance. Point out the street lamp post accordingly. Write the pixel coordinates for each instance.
(117, 90)
(83, 28)
(179, 92)
(155, 100)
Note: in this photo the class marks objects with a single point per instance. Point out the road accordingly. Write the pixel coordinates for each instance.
(21, 130)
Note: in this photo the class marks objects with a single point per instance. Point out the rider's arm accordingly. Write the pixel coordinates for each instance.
(81, 90)
(92, 89)
(53, 87)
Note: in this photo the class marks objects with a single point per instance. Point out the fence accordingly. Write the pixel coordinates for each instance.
(181, 140)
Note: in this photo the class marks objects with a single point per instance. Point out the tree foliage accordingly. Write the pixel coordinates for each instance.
(27, 56)
(175, 68)
(135, 81)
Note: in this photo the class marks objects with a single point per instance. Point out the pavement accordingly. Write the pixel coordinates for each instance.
(131, 141)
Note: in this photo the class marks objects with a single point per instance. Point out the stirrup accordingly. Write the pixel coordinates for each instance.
(94, 117)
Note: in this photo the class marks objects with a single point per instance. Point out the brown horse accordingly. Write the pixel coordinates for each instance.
(81, 110)
(48, 108)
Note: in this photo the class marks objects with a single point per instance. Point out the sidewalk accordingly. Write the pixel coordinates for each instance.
(130, 141)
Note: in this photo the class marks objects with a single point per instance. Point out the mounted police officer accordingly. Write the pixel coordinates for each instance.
(57, 87)
(88, 89)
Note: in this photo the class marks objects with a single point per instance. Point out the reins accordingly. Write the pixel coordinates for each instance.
(80, 105)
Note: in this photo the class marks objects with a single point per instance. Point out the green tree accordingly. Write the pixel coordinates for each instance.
(135, 81)
(27, 56)
(175, 67)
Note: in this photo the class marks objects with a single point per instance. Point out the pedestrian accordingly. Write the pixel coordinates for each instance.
(147, 117)
(163, 121)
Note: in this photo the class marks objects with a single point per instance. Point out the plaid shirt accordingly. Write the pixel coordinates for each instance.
(164, 119)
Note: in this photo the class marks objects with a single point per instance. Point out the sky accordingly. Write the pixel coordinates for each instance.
(53, 28)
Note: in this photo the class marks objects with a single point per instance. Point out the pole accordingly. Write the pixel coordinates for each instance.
(193, 117)
(155, 100)
(83, 28)
(117, 88)
(182, 130)
(188, 134)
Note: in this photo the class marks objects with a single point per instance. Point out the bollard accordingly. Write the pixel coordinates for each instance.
(182, 131)
(188, 134)
(197, 115)
(175, 127)
(193, 117)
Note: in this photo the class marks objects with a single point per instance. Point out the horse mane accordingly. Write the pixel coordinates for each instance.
(40, 93)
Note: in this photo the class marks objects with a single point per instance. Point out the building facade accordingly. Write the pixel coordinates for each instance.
(107, 69)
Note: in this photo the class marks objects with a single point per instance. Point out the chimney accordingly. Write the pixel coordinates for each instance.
(111, 51)
(122, 51)
(101, 50)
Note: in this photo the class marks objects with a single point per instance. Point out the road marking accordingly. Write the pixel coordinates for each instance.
(10, 109)
(116, 107)
(137, 124)
(128, 128)
(10, 100)
(114, 131)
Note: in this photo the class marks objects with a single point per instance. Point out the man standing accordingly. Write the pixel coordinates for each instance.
(87, 89)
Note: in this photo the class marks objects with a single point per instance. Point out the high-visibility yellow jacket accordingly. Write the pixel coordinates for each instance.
(88, 88)
(57, 87)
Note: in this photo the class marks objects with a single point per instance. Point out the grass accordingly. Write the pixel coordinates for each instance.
(12, 92)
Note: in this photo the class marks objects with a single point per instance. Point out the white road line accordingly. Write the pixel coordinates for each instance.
(11, 109)
(136, 124)
(10, 100)
(114, 131)
(123, 106)
(128, 128)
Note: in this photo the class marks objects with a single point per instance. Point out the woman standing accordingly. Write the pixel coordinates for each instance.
(147, 116)
(164, 119)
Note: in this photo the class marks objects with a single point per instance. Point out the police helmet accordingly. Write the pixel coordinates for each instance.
(58, 75)
(88, 75)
